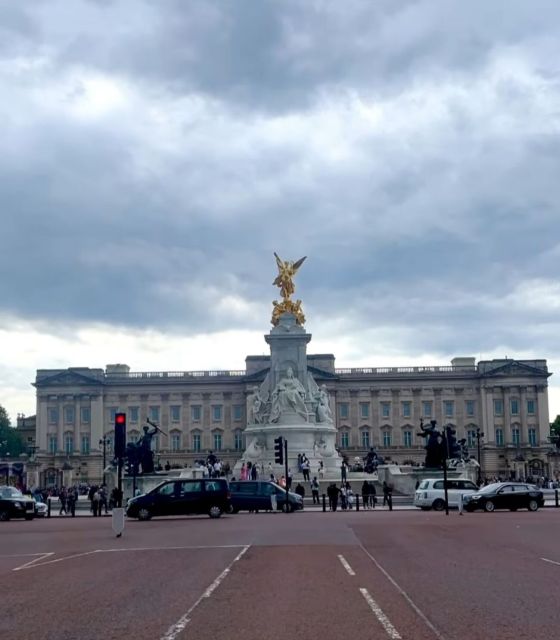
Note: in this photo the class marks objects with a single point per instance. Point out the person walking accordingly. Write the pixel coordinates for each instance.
(63, 497)
(343, 470)
(254, 472)
(365, 494)
(387, 497)
(333, 492)
(300, 490)
(315, 490)
(305, 469)
(71, 501)
(372, 495)
(96, 503)
(289, 480)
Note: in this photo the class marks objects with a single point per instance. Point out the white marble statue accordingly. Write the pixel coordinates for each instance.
(288, 396)
(323, 410)
(255, 406)
(255, 449)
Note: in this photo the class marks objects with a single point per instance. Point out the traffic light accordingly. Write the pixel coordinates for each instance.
(120, 435)
(279, 450)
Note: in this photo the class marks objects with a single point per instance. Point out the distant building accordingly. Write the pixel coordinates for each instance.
(506, 400)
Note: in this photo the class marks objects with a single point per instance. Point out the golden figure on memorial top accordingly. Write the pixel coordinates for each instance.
(284, 280)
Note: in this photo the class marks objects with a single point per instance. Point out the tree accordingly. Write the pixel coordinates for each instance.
(555, 432)
(11, 441)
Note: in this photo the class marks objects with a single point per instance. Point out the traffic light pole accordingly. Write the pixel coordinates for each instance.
(286, 472)
(445, 456)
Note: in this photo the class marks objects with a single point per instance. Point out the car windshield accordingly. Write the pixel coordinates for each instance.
(490, 488)
(10, 492)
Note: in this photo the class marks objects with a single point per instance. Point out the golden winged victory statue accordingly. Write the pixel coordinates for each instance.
(284, 280)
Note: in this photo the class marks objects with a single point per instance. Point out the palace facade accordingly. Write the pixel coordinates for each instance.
(505, 402)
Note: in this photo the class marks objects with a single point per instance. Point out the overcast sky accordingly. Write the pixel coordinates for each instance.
(154, 153)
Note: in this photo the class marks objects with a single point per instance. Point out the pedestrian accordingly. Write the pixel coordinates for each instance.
(243, 473)
(343, 497)
(96, 503)
(343, 470)
(289, 480)
(305, 469)
(365, 494)
(315, 490)
(321, 470)
(63, 498)
(349, 495)
(333, 492)
(103, 499)
(71, 501)
(387, 496)
(254, 472)
(300, 490)
(372, 495)
(299, 461)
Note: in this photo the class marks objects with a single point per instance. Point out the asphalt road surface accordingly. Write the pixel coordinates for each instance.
(366, 575)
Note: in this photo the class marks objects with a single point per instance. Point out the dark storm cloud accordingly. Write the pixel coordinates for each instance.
(410, 149)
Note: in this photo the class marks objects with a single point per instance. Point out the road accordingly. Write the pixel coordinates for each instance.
(367, 575)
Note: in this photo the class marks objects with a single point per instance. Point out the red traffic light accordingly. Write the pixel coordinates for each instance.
(120, 418)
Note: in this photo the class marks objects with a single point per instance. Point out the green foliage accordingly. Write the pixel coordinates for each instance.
(11, 441)
(555, 427)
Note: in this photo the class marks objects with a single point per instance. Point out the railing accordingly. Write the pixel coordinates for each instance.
(399, 370)
(143, 375)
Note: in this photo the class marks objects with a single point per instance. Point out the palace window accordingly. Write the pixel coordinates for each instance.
(69, 415)
(343, 410)
(196, 411)
(175, 411)
(469, 408)
(406, 409)
(533, 437)
(85, 414)
(68, 444)
(499, 437)
(217, 442)
(196, 442)
(515, 436)
(365, 439)
(112, 412)
(387, 440)
(53, 444)
(514, 406)
(133, 414)
(498, 407)
(217, 413)
(364, 409)
(427, 409)
(237, 412)
(154, 414)
(407, 438)
(385, 409)
(471, 438)
(344, 439)
(448, 408)
(175, 442)
(531, 407)
(238, 440)
(53, 415)
(85, 448)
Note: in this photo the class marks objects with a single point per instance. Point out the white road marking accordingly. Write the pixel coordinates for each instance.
(551, 561)
(76, 555)
(207, 546)
(405, 595)
(345, 564)
(180, 625)
(383, 619)
(23, 555)
(40, 556)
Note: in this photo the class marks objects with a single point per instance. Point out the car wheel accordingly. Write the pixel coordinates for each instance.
(215, 511)
(489, 506)
(438, 505)
(533, 505)
(144, 514)
(287, 508)
(4, 516)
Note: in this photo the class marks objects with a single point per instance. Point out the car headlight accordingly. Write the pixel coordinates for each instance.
(18, 505)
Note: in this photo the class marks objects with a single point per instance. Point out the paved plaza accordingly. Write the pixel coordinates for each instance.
(367, 575)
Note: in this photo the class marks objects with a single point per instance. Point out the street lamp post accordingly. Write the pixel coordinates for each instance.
(479, 435)
(103, 442)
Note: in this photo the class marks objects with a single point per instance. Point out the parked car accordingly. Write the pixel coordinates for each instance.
(182, 497)
(506, 495)
(13, 504)
(256, 495)
(431, 493)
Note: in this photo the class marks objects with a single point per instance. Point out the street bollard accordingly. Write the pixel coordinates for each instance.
(324, 503)
(357, 502)
(556, 497)
(460, 504)
(390, 501)
(49, 507)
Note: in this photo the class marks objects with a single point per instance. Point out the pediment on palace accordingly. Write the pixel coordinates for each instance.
(514, 369)
(67, 379)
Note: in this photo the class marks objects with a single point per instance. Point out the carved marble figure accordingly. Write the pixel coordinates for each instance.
(288, 396)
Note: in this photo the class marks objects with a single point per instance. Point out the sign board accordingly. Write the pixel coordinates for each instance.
(118, 521)
(273, 502)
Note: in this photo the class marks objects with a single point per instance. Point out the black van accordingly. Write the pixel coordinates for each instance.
(256, 495)
(179, 497)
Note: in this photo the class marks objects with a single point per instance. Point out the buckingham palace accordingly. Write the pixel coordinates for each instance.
(499, 406)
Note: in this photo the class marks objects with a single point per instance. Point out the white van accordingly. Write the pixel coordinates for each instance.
(431, 493)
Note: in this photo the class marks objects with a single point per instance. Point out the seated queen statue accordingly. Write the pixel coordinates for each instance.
(288, 397)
